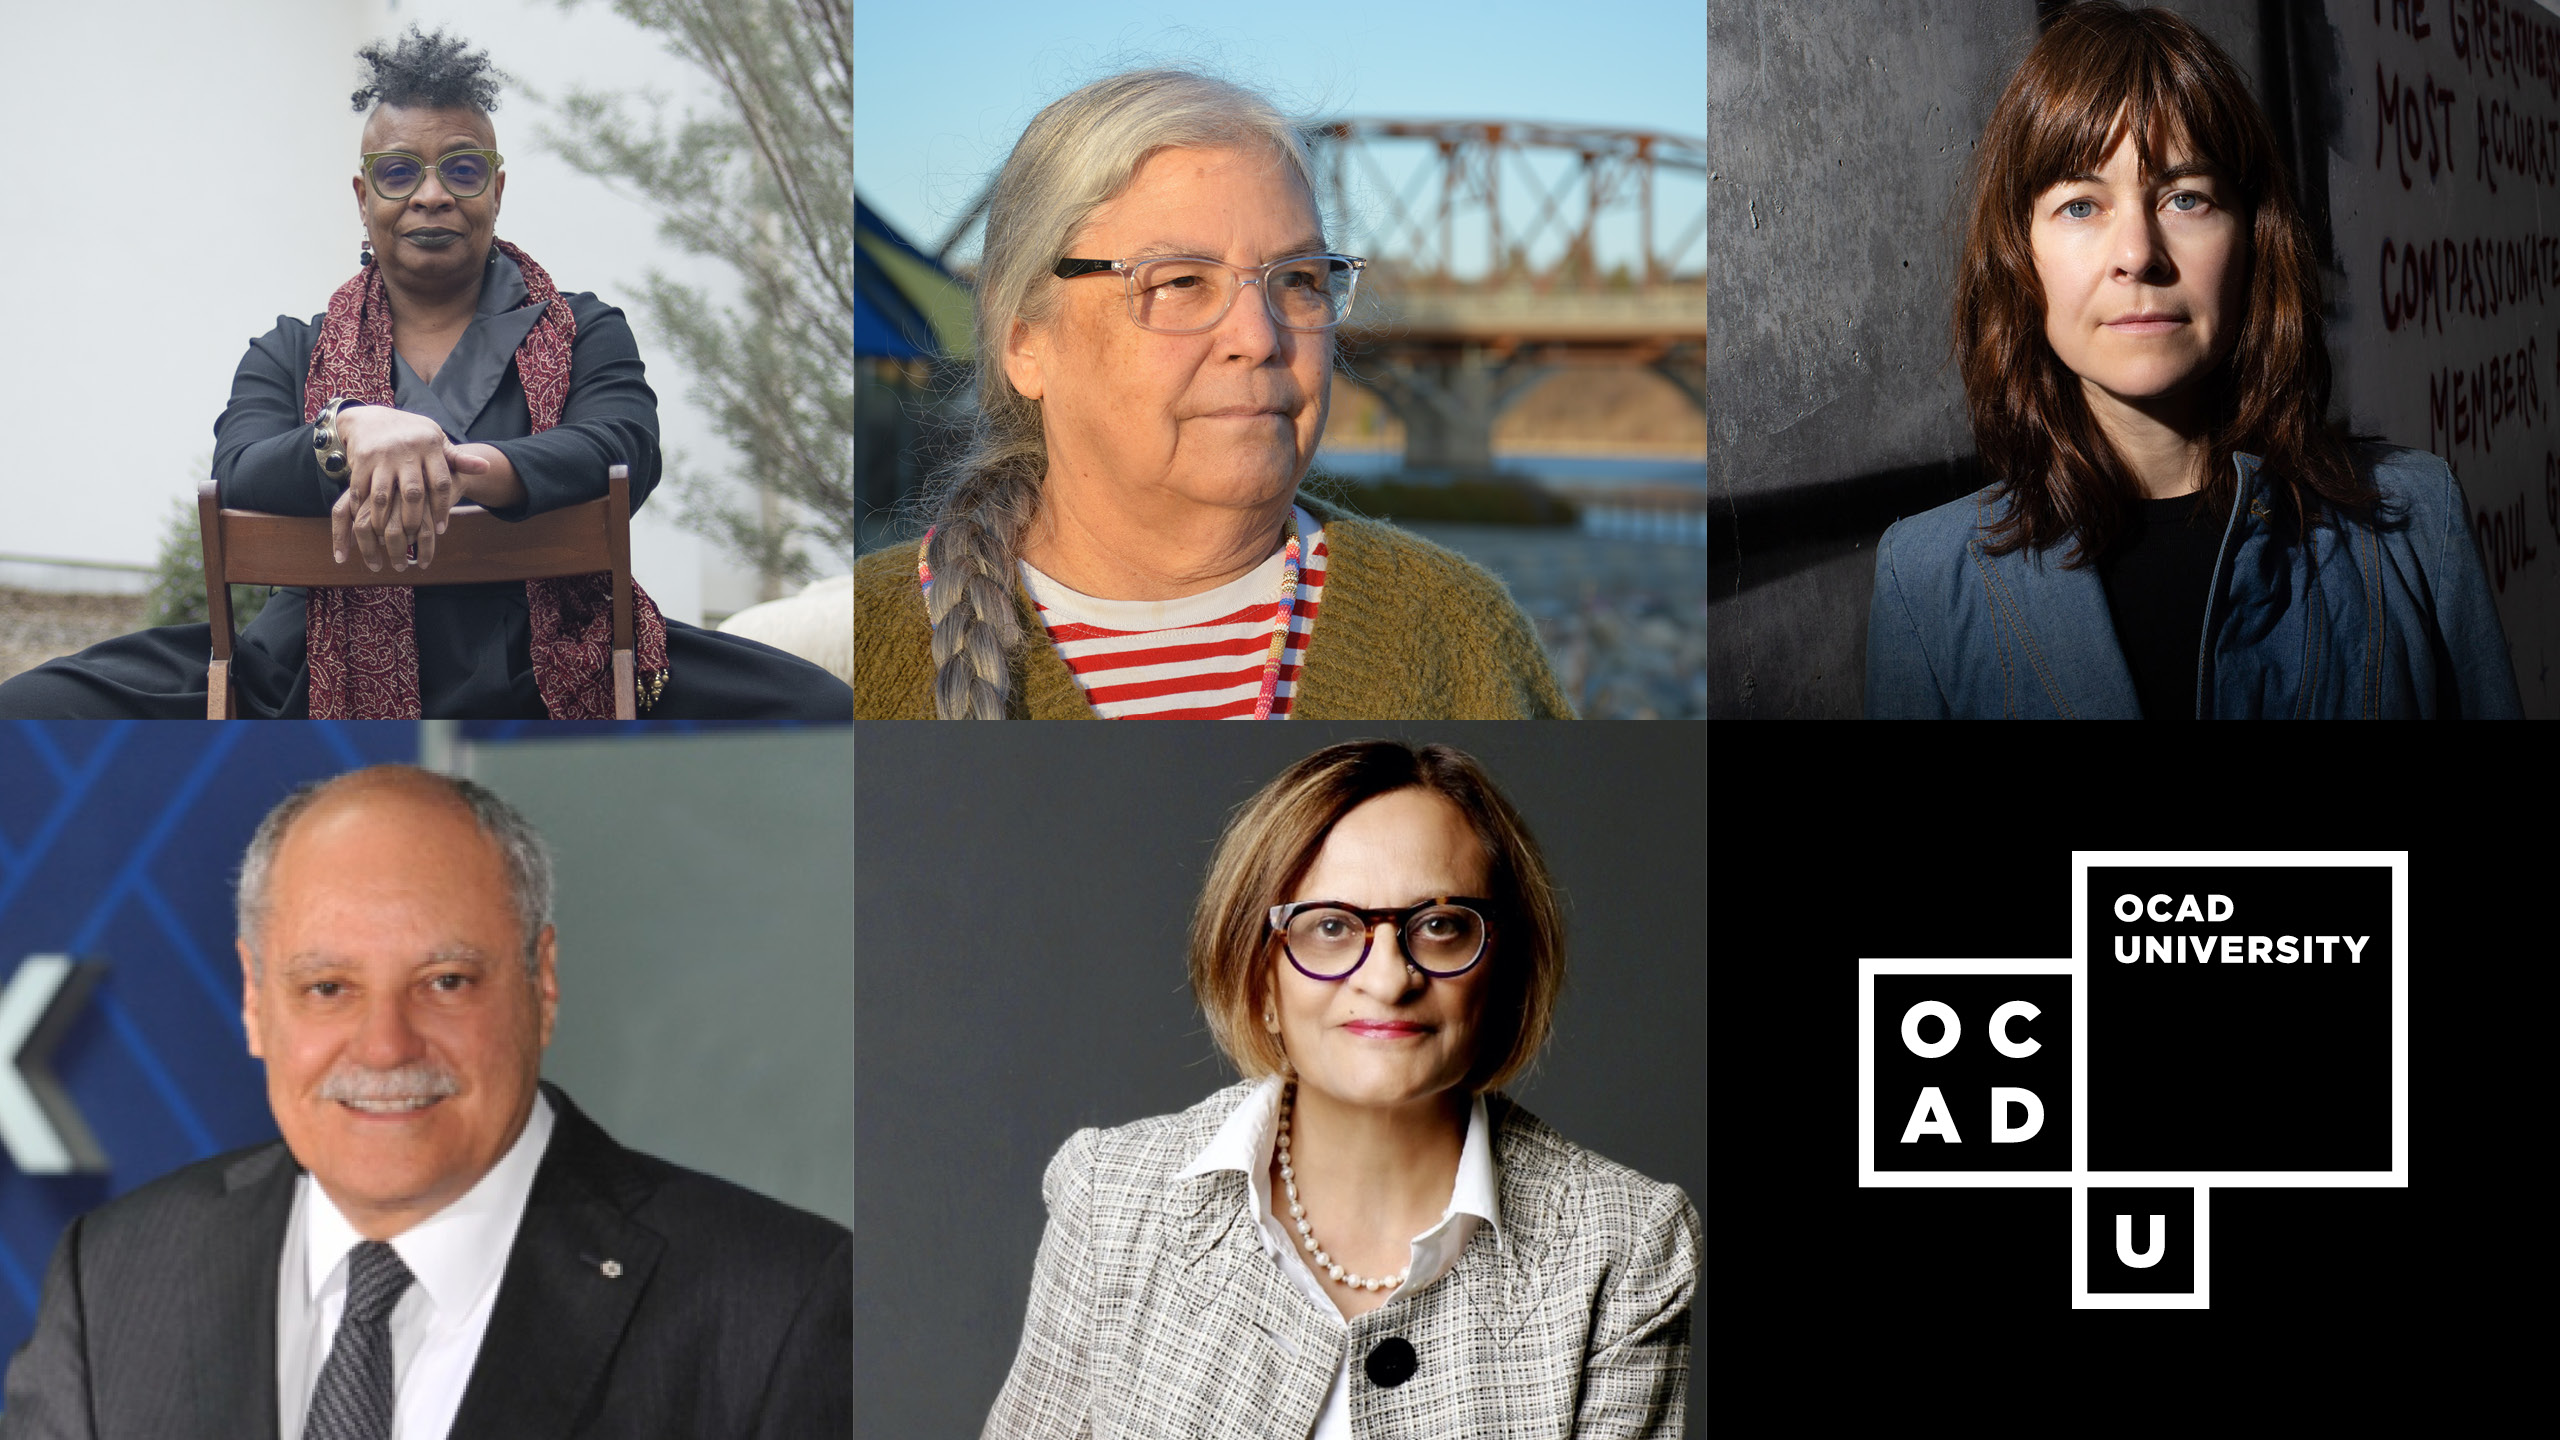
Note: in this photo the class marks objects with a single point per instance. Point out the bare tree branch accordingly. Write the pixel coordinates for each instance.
(765, 186)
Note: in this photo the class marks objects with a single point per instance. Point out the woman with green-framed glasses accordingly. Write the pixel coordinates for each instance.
(449, 370)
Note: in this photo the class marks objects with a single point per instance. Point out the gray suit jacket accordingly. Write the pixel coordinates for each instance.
(731, 1316)
(1156, 1315)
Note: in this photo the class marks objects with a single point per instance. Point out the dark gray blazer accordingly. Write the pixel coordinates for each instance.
(732, 1314)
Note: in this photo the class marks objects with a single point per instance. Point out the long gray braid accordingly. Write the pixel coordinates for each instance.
(970, 602)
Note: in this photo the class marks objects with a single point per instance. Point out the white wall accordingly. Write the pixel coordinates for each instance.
(181, 178)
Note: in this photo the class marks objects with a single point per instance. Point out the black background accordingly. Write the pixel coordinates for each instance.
(1966, 1074)
(1832, 842)
(2242, 1067)
(2174, 1273)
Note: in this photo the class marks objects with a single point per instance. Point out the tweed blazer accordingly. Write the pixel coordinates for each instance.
(1408, 631)
(1157, 1315)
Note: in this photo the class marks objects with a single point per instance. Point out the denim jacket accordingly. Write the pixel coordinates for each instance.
(2384, 621)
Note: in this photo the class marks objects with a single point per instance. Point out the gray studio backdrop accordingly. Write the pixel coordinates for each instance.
(706, 925)
(1022, 895)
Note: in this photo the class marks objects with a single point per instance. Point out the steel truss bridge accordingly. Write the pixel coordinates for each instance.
(1475, 304)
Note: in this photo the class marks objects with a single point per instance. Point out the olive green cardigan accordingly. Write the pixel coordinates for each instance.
(1406, 631)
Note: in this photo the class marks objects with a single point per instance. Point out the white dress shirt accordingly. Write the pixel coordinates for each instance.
(455, 1256)
(1245, 1143)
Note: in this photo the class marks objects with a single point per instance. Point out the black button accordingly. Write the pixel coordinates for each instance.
(1391, 1364)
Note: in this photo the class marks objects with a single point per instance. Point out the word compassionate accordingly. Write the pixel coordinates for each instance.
(2229, 949)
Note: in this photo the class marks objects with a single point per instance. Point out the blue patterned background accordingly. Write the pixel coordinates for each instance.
(117, 842)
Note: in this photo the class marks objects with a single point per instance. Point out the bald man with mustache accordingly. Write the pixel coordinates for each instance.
(440, 1245)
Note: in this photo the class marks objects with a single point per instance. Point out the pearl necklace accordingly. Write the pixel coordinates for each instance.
(1324, 1263)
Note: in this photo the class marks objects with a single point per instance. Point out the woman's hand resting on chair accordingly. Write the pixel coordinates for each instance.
(403, 480)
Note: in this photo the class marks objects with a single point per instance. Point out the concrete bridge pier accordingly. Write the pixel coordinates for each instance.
(1686, 368)
(1449, 401)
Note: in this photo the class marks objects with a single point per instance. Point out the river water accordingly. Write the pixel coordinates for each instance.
(1656, 499)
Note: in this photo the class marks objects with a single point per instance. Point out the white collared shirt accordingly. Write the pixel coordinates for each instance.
(455, 1256)
(1245, 1143)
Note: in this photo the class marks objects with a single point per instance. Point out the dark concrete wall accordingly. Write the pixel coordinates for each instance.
(2449, 347)
(1838, 132)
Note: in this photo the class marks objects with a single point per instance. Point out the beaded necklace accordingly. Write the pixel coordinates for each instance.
(1280, 628)
(1324, 1263)
(1289, 559)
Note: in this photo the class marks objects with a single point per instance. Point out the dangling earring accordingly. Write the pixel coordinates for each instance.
(364, 256)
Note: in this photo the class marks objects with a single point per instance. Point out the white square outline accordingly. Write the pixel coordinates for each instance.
(1868, 1177)
(2080, 1178)
(2397, 861)
(2200, 1298)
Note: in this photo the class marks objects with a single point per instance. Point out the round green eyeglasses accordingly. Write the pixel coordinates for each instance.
(397, 174)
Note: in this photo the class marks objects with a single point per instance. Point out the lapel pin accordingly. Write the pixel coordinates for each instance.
(612, 1269)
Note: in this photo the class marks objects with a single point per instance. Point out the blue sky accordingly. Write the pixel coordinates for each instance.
(942, 91)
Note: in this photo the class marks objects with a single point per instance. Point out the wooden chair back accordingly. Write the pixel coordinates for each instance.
(249, 547)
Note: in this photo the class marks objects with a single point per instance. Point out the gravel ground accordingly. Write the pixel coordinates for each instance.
(37, 625)
(1624, 621)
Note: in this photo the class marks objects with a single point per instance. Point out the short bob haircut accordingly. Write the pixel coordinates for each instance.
(1271, 843)
(2098, 75)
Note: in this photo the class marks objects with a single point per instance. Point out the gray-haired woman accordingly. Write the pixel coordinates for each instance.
(1124, 534)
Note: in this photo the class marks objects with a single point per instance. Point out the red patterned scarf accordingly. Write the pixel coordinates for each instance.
(361, 641)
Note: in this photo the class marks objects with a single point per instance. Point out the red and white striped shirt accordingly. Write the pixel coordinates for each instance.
(1196, 658)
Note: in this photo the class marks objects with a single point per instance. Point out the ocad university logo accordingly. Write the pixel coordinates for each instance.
(2225, 1020)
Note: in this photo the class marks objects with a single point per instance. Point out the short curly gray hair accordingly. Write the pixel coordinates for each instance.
(527, 860)
(427, 70)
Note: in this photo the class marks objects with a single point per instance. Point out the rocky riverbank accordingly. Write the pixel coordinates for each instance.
(1624, 621)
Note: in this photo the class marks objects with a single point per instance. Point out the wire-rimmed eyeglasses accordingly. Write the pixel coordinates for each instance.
(397, 174)
(1328, 940)
(1186, 294)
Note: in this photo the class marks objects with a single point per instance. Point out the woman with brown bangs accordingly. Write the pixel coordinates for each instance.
(2176, 527)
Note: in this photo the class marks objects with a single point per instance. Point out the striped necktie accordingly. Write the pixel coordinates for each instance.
(353, 1399)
